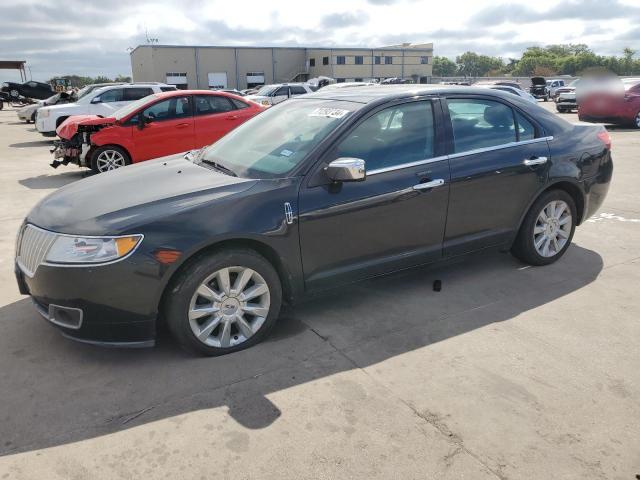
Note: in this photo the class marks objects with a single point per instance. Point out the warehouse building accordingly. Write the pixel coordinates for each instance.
(205, 67)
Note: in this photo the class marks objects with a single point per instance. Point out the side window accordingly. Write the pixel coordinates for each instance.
(282, 91)
(115, 95)
(297, 90)
(210, 104)
(167, 89)
(393, 136)
(172, 108)
(526, 130)
(480, 123)
(131, 94)
(239, 104)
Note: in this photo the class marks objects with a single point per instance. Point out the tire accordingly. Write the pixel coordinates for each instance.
(109, 157)
(1, 104)
(524, 247)
(14, 93)
(202, 275)
(33, 117)
(546, 98)
(561, 110)
(636, 121)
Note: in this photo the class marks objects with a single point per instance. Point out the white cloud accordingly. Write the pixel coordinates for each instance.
(91, 38)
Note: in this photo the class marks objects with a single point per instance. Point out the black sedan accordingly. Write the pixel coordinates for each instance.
(319, 191)
(30, 89)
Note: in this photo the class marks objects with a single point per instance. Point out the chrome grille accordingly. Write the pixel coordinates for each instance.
(32, 249)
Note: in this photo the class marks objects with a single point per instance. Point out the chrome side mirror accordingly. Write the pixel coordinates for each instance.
(346, 170)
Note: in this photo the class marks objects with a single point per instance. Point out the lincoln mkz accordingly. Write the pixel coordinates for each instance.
(322, 190)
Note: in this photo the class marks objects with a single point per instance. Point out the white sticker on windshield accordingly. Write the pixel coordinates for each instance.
(286, 153)
(329, 112)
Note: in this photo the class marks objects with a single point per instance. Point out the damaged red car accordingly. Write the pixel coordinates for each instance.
(155, 126)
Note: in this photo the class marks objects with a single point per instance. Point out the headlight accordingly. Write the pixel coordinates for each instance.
(69, 249)
(43, 113)
(265, 102)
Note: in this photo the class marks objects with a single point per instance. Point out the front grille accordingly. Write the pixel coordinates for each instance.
(33, 245)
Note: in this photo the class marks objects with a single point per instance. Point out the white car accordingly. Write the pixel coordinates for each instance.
(101, 101)
(553, 85)
(28, 113)
(274, 94)
(515, 91)
(340, 86)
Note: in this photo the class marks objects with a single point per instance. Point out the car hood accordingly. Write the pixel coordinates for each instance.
(121, 201)
(69, 127)
(257, 98)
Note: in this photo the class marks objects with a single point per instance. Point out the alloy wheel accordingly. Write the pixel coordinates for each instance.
(638, 120)
(552, 229)
(110, 160)
(229, 307)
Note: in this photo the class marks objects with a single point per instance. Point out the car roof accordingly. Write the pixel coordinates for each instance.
(177, 93)
(371, 94)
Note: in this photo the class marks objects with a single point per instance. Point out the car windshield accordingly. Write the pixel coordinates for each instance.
(266, 90)
(133, 106)
(83, 91)
(273, 143)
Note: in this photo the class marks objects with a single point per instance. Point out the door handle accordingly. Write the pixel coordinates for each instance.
(427, 185)
(231, 117)
(182, 125)
(535, 161)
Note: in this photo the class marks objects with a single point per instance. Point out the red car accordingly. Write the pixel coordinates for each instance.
(613, 108)
(154, 126)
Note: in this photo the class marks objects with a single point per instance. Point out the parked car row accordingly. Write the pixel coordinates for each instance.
(320, 190)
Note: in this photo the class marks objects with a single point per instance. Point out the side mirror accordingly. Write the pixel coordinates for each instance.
(346, 170)
(96, 99)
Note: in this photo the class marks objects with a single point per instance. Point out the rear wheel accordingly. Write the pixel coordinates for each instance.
(108, 158)
(547, 229)
(637, 120)
(223, 302)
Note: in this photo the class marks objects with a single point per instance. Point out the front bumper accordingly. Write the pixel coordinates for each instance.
(116, 304)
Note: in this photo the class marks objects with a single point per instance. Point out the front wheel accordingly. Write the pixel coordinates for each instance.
(109, 158)
(637, 120)
(547, 229)
(223, 302)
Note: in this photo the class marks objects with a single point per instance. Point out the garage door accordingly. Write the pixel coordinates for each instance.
(218, 80)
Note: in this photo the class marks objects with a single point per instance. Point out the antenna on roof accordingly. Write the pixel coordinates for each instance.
(149, 39)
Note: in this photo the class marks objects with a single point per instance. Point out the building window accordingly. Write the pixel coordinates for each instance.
(340, 60)
(376, 60)
(424, 60)
(179, 79)
(359, 60)
(357, 79)
(388, 60)
(325, 60)
(312, 62)
(339, 80)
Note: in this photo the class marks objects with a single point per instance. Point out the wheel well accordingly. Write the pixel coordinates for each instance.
(60, 120)
(575, 193)
(259, 247)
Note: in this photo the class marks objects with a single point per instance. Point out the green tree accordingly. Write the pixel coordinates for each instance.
(471, 64)
(443, 67)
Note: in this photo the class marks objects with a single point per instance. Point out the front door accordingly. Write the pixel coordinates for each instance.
(500, 161)
(280, 95)
(393, 219)
(110, 101)
(169, 129)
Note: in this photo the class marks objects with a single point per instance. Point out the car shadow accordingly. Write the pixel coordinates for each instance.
(49, 182)
(32, 144)
(620, 128)
(54, 391)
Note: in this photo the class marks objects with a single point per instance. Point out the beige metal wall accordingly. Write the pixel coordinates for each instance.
(152, 63)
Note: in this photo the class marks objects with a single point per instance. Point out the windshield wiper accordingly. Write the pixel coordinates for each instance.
(219, 167)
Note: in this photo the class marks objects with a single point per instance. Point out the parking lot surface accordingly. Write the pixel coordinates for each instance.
(509, 372)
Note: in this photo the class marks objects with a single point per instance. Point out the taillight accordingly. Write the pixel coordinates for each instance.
(605, 138)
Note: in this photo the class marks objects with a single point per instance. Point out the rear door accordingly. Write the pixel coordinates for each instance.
(499, 160)
(170, 131)
(396, 217)
(280, 95)
(215, 115)
(297, 90)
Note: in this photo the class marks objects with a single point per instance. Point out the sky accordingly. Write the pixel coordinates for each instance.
(87, 37)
